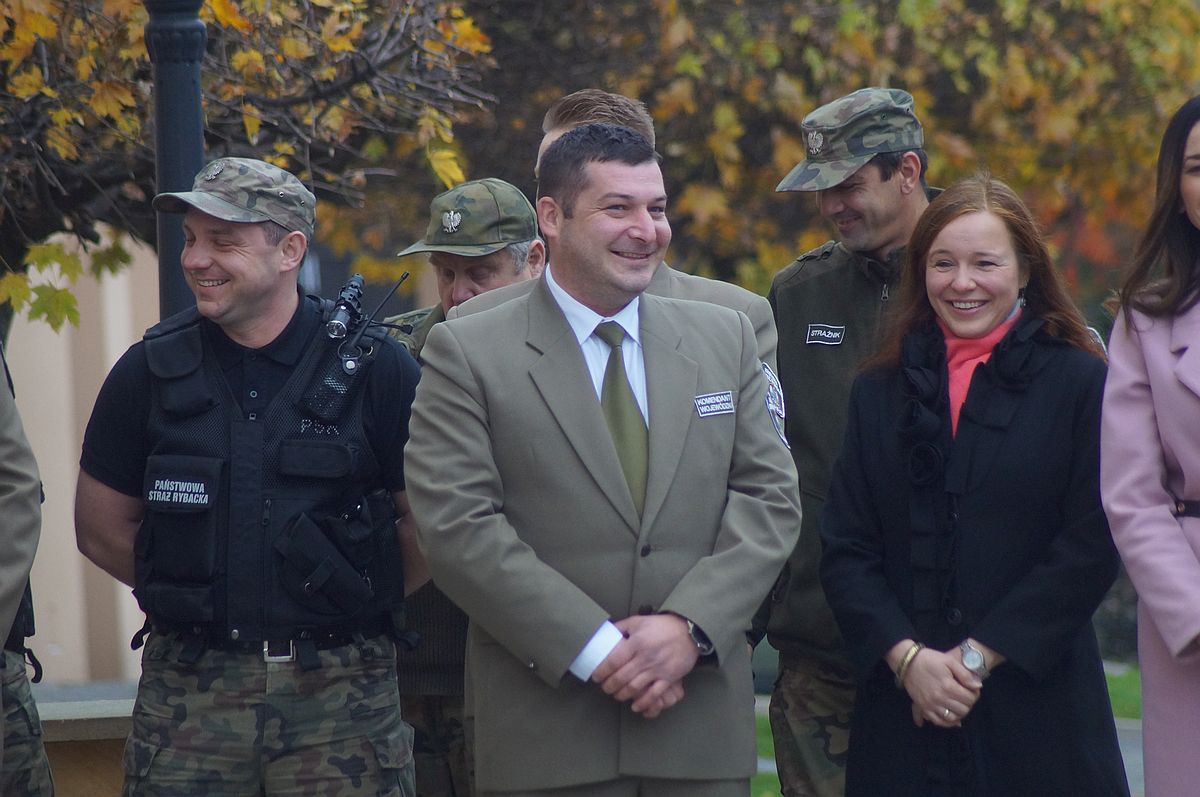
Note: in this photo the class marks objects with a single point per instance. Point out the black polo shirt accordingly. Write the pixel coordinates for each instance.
(115, 445)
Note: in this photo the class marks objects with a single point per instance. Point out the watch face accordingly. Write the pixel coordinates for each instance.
(972, 659)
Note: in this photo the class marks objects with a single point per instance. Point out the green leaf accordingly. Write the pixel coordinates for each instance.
(43, 256)
(110, 259)
(14, 288)
(55, 306)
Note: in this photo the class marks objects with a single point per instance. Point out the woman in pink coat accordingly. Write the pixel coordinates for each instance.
(1150, 458)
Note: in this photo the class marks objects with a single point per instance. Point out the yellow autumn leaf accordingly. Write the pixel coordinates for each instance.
(64, 116)
(60, 141)
(703, 203)
(251, 121)
(293, 47)
(26, 84)
(446, 165)
(340, 44)
(38, 25)
(469, 37)
(14, 288)
(248, 62)
(109, 97)
(228, 16)
(84, 67)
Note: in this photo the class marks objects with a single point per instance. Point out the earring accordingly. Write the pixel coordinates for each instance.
(1021, 296)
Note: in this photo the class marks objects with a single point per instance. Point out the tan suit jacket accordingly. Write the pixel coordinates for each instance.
(20, 508)
(528, 525)
(674, 285)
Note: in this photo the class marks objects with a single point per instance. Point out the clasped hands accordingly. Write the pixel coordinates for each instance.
(648, 665)
(942, 689)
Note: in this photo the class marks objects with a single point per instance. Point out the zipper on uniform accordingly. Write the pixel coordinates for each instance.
(883, 297)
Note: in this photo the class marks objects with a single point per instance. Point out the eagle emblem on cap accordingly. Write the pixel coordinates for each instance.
(216, 168)
(815, 142)
(450, 220)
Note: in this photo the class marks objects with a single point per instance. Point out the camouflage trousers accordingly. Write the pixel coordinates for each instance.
(440, 750)
(810, 723)
(25, 770)
(233, 724)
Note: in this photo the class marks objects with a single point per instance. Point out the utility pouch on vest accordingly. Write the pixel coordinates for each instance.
(316, 574)
(176, 550)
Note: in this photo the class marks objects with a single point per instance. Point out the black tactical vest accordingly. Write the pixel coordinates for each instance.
(269, 527)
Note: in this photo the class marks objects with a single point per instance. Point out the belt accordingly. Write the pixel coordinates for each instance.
(279, 649)
(303, 650)
(1187, 509)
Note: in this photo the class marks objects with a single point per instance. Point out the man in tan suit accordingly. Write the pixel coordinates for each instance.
(588, 106)
(606, 654)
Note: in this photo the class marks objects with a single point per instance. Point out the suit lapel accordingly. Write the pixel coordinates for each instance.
(671, 379)
(561, 377)
(1185, 344)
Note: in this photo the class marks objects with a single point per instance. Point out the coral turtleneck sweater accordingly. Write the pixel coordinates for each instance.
(962, 355)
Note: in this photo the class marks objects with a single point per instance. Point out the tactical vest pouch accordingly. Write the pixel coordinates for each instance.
(319, 459)
(175, 359)
(177, 541)
(316, 574)
(332, 388)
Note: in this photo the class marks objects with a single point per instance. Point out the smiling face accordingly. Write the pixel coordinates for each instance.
(241, 281)
(605, 251)
(973, 275)
(867, 212)
(1189, 179)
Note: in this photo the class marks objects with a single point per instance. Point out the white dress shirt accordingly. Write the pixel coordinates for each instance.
(583, 321)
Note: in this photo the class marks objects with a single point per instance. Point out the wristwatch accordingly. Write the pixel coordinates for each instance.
(972, 659)
(704, 645)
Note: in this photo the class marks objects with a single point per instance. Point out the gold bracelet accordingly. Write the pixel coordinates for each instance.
(902, 670)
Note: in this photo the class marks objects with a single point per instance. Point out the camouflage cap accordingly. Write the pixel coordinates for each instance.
(477, 218)
(246, 190)
(843, 135)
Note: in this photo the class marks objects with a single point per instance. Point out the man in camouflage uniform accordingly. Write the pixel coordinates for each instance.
(243, 470)
(24, 769)
(482, 235)
(866, 164)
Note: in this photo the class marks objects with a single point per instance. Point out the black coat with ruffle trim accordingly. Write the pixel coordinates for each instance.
(997, 534)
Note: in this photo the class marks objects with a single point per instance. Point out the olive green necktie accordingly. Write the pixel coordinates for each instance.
(621, 412)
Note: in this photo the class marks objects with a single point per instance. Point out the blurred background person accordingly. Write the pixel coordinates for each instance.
(965, 544)
(1150, 442)
(482, 235)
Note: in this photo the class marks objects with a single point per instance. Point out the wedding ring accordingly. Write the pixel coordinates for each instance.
(946, 714)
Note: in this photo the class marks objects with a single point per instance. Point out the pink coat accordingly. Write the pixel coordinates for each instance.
(1150, 456)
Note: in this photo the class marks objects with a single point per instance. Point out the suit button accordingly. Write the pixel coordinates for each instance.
(645, 608)
(953, 616)
(646, 549)
(532, 665)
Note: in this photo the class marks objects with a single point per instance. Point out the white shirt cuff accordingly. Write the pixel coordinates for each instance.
(596, 650)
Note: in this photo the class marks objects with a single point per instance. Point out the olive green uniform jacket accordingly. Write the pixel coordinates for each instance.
(828, 307)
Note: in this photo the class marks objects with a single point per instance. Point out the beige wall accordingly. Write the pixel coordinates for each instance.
(84, 618)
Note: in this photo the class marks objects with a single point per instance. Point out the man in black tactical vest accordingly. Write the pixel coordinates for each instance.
(24, 768)
(243, 471)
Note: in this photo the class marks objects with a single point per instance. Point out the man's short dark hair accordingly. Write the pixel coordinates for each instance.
(889, 162)
(273, 232)
(563, 175)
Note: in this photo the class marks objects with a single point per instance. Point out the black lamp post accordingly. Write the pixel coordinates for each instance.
(175, 39)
